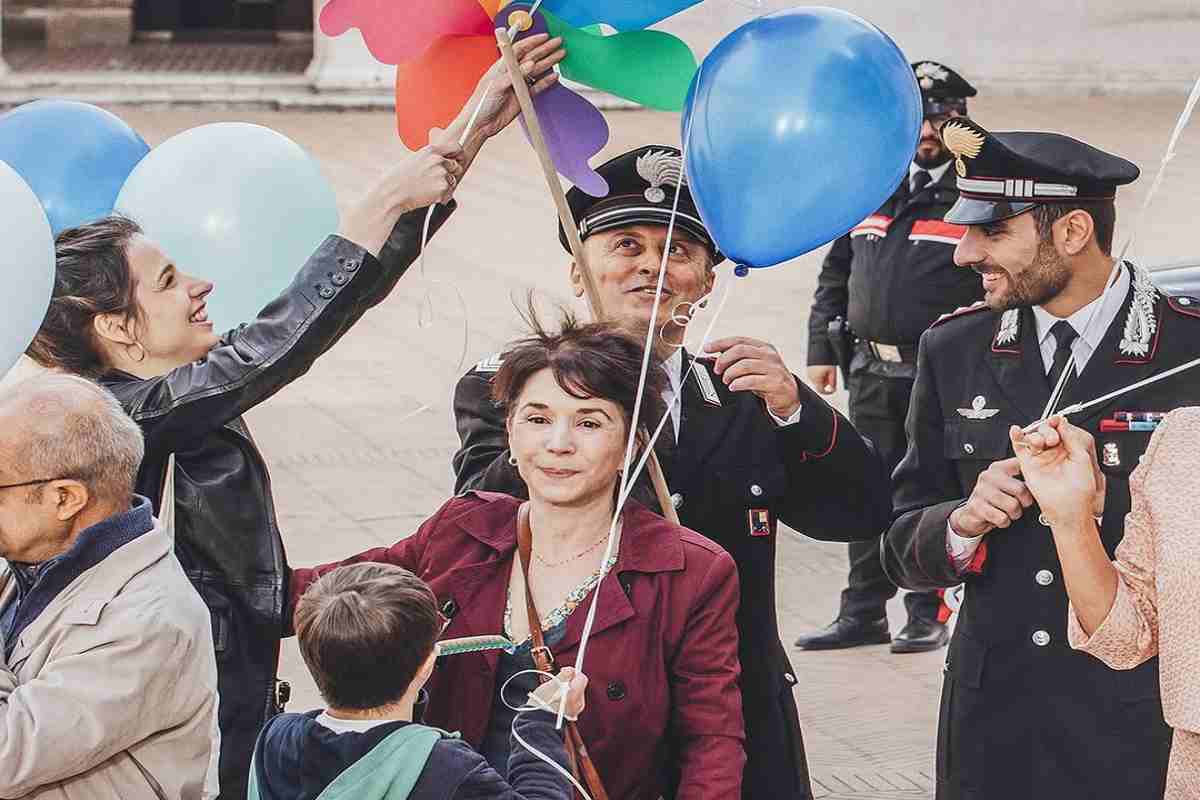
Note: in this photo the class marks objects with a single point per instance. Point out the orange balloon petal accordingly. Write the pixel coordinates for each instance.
(433, 89)
(492, 7)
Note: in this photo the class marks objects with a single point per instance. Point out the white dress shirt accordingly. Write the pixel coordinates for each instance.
(674, 367)
(962, 548)
(935, 174)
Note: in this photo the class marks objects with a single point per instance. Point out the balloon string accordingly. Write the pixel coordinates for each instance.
(677, 393)
(426, 301)
(627, 476)
(1075, 408)
(527, 708)
(1180, 124)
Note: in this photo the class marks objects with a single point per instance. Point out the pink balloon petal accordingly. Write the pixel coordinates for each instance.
(396, 32)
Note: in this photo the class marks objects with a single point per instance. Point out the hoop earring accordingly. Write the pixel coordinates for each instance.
(141, 349)
(512, 460)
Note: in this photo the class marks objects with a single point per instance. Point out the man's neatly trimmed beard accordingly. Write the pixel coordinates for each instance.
(1039, 284)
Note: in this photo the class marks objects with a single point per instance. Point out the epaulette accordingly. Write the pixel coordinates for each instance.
(1185, 304)
(959, 312)
(491, 363)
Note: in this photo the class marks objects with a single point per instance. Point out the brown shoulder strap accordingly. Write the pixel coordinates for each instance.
(578, 760)
(543, 659)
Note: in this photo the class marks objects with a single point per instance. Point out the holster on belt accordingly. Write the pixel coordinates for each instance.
(841, 341)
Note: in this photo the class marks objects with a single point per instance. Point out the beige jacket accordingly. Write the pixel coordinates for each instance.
(111, 693)
(1157, 609)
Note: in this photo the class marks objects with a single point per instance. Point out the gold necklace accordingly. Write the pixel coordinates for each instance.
(575, 557)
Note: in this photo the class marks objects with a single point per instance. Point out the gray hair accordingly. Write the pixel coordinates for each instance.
(73, 428)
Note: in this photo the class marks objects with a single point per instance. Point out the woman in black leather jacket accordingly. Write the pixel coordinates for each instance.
(123, 314)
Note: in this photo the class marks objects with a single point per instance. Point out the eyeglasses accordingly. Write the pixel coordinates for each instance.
(29, 483)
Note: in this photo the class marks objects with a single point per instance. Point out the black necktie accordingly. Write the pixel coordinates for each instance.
(919, 181)
(1064, 335)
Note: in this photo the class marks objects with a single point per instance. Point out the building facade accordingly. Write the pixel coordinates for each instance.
(1075, 46)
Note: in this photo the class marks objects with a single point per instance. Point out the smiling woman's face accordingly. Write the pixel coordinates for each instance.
(568, 449)
(175, 327)
(626, 261)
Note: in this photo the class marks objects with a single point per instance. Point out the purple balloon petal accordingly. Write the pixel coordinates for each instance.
(573, 128)
(574, 131)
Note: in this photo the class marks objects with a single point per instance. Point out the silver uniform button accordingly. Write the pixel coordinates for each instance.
(969, 448)
(1041, 638)
(1044, 577)
(677, 500)
(756, 490)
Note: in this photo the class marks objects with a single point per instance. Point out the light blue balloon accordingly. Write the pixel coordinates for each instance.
(801, 124)
(26, 266)
(238, 204)
(75, 157)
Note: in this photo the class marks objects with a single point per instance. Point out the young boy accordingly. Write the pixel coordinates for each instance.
(368, 634)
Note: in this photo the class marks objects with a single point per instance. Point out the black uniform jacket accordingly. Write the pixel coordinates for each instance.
(1024, 715)
(226, 535)
(735, 474)
(894, 273)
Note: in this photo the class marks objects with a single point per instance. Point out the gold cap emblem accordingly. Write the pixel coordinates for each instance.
(962, 140)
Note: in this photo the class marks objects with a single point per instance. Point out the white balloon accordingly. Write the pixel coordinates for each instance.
(26, 266)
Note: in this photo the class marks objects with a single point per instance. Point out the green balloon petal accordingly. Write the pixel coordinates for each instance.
(652, 68)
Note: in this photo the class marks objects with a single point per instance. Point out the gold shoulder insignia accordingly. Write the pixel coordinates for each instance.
(962, 140)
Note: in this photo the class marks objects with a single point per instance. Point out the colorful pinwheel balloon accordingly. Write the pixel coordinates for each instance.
(442, 54)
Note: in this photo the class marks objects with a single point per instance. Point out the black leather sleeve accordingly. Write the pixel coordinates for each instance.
(829, 301)
(335, 287)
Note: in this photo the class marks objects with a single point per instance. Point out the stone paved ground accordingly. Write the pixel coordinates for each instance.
(359, 449)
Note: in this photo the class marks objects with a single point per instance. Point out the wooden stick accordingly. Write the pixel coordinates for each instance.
(521, 89)
(539, 146)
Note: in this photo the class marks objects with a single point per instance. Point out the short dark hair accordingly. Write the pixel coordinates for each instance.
(364, 631)
(91, 277)
(1102, 212)
(597, 359)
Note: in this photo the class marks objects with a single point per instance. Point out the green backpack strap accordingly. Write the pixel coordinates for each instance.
(252, 793)
(390, 770)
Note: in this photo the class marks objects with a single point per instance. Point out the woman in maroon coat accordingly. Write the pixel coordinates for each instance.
(664, 714)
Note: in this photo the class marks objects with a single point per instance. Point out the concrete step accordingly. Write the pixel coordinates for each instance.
(270, 91)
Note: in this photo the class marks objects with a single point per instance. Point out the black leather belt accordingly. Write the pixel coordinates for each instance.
(892, 353)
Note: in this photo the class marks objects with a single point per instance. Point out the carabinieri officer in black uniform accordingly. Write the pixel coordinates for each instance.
(1023, 715)
(889, 278)
(750, 446)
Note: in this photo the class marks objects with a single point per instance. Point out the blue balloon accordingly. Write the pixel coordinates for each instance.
(26, 266)
(624, 15)
(73, 155)
(238, 204)
(798, 125)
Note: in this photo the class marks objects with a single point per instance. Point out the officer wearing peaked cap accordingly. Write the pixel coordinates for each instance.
(750, 445)
(1023, 714)
(880, 287)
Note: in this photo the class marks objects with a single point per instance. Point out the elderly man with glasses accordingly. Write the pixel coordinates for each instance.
(108, 676)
